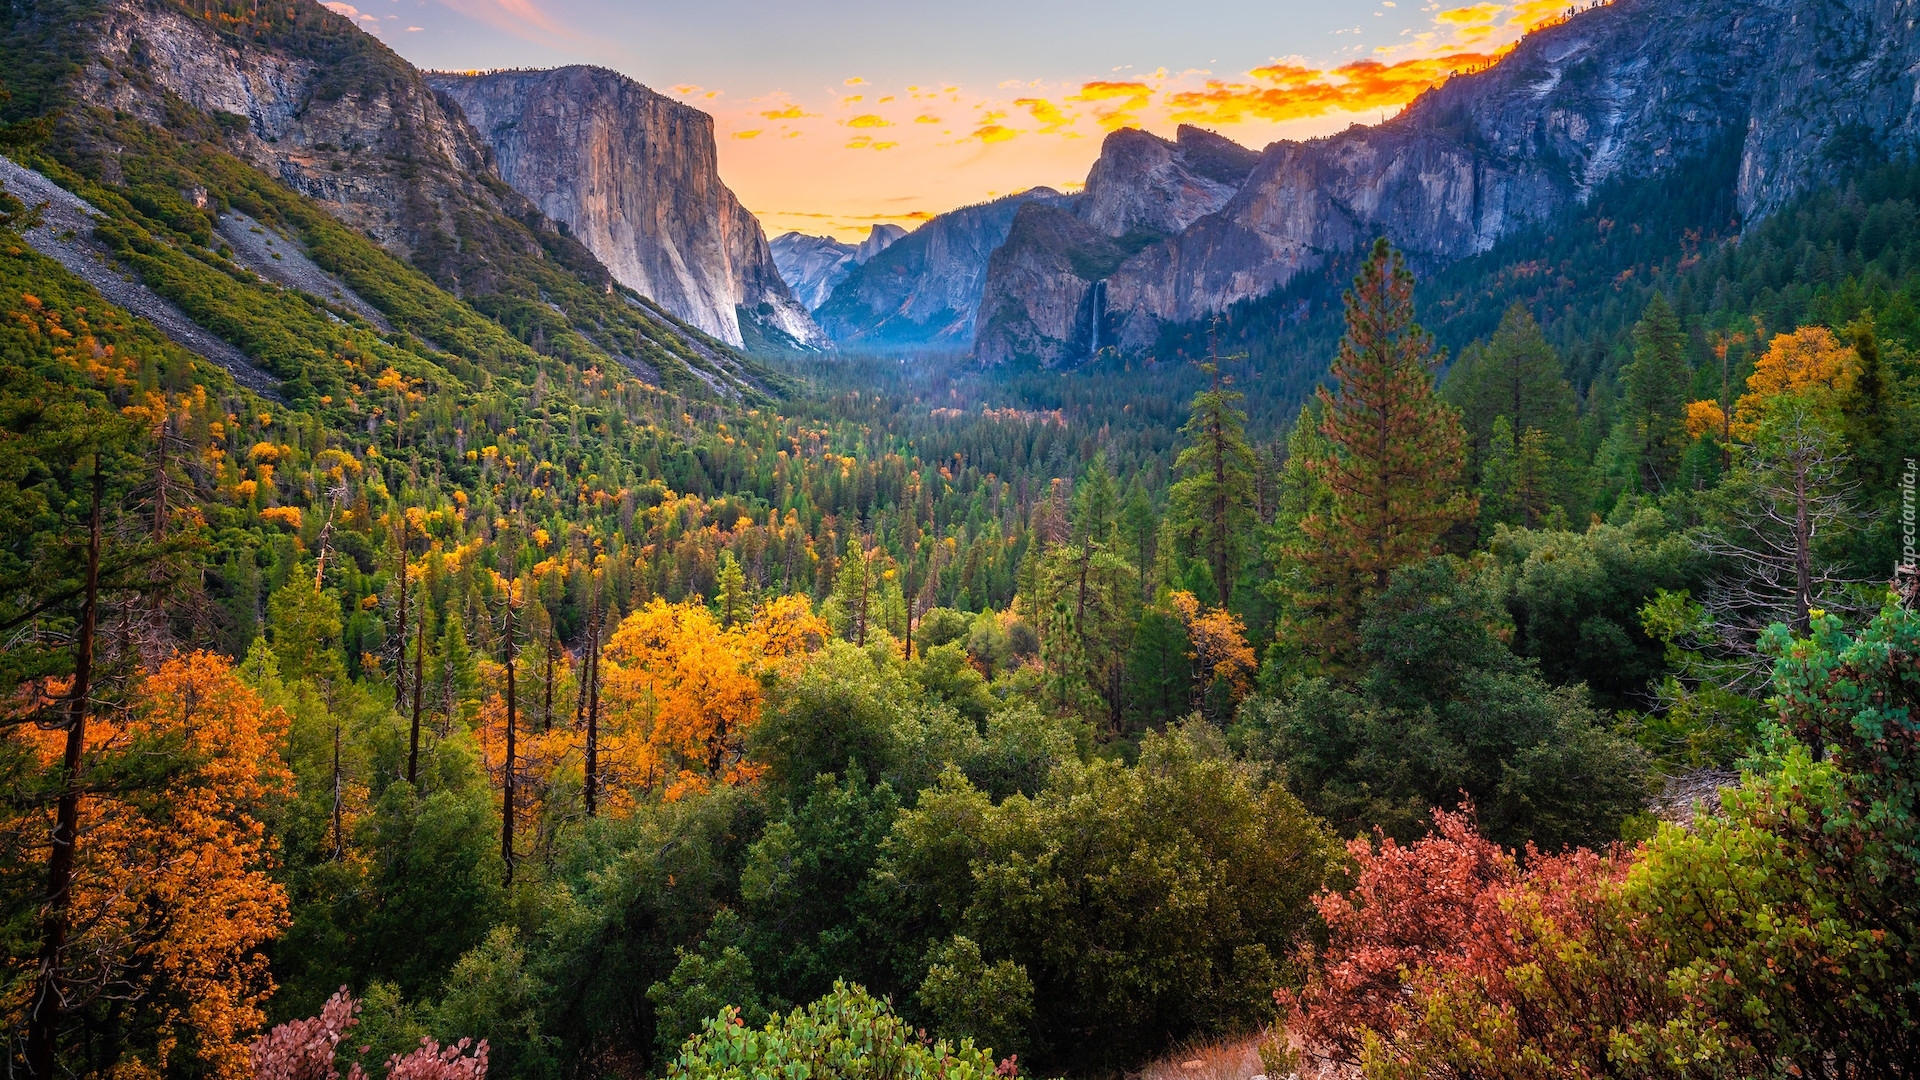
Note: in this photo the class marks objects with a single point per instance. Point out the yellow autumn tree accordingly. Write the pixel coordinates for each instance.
(1217, 645)
(1808, 361)
(679, 692)
(172, 893)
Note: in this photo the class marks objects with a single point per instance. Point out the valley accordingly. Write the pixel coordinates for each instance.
(1430, 599)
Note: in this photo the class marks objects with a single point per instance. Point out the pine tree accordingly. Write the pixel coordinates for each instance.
(732, 599)
(853, 591)
(1212, 502)
(1516, 374)
(1496, 479)
(1656, 384)
(1395, 458)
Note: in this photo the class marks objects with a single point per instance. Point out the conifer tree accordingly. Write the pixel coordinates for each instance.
(732, 598)
(1656, 385)
(853, 590)
(1395, 456)
(1212, 502)
(1516, 374)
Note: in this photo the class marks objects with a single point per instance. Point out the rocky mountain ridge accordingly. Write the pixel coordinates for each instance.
(1804, 89)
(924, 290)
(814, 265)
(634, 175)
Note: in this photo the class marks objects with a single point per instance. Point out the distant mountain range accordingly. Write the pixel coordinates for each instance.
(813, 265)
(1171, 232)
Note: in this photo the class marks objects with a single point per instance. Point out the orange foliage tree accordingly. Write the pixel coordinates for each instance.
(1811, 360)
(172, 894)
(1221, 657)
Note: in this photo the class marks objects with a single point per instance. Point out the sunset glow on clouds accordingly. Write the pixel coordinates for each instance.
(861, 147)
(818, 164)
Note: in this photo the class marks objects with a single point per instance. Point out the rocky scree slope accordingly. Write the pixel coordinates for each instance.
(634, 176)
(303, 95)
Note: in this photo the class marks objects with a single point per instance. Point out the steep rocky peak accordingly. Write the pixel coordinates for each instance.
(1142, 181)
(879, 239)
(812, 265)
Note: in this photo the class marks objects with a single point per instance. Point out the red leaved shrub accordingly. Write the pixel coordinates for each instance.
(1447, 958)
(305, 1050)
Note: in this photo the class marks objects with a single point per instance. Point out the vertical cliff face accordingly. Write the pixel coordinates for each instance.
(924, 290)
(329, 130)
(634, 175)
(812, 265)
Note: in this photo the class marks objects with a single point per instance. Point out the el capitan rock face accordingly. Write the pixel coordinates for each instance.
(634, 176)
(1799, 89)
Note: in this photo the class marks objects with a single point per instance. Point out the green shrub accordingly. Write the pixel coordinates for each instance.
(846, 1035)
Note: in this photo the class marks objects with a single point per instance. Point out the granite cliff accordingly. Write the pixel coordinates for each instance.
(305, 96)
(634, 175)
(924, 290)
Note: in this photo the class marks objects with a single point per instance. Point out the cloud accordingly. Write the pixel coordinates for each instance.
(856, 81)
(1116, 103)
(926, 119)
(1291, 91)
(993, 133)
(869, 120)
(1050, 116)
(750, 134)
(349, 11)
(790, 112)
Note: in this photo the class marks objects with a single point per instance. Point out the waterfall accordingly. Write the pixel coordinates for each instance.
(1097, 295)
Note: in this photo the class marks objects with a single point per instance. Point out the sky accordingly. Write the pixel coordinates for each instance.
(832, 116)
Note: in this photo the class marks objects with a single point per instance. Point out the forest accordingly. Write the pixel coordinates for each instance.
(1538, 705)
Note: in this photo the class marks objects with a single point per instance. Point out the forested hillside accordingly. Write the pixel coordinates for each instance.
(534, 670)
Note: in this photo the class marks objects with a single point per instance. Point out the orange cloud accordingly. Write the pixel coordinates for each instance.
(1050, 116)
(747, 134)
(993, 133)
(791, 112)
(926, 119)
(521, 18)
(1123, 100)
(869, 120)
(1291, 92)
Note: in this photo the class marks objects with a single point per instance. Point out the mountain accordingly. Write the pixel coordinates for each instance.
(1632, 90)
(924, 290)
(1045, 294)
(168, 102)
(633, 175)
(879, 238)
(813, 265)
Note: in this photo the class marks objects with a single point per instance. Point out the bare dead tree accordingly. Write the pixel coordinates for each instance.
(1784, 500)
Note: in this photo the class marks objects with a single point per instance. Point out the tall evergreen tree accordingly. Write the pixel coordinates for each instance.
(1395, 457)
(1656, 385)
(1516, 374)
(1212, 502)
